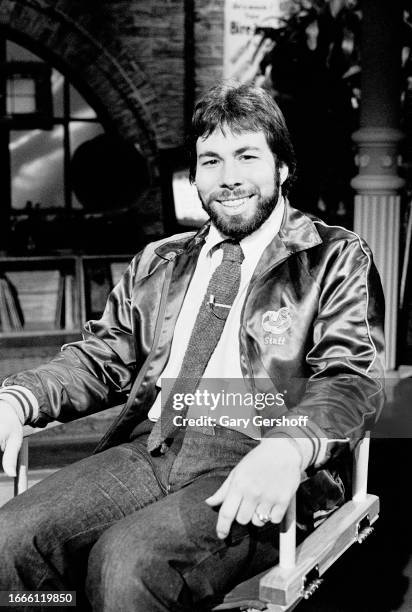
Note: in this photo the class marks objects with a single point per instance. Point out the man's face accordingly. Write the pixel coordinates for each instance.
(238, 180)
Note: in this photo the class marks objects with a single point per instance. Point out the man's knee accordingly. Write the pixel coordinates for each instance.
(123, 570)
(113, 558)
(14, 533)
(18, 540)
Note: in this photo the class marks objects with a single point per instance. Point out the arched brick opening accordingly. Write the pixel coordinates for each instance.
(101, 69)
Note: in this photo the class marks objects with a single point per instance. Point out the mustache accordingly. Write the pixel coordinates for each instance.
(229, 194)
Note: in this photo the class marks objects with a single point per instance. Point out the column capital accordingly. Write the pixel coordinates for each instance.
(371, 184)
(377, 161)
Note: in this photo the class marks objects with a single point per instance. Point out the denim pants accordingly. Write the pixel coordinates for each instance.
(131, 532)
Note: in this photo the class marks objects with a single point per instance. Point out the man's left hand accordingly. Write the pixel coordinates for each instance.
(261, 485)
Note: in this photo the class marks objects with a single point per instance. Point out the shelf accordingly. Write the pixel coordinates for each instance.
(36, 259)
(40, 338)
(45, 291)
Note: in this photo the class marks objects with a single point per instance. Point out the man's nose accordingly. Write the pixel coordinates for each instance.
(230, 176)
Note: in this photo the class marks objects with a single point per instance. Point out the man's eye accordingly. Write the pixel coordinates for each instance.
(209, 162)
(246, 157)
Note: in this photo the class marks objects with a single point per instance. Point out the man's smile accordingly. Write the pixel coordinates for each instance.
(234, 206)
(234, 201)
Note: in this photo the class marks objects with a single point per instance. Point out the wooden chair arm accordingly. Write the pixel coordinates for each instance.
(21, 480)
(287, 535)
(298, 573)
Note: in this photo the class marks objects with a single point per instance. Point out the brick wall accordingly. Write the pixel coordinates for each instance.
(127, 56)
(129, 53)
(208, 35)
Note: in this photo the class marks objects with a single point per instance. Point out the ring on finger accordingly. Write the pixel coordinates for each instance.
(263, 518)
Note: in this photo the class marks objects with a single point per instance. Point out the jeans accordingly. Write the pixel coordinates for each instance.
(132, 532)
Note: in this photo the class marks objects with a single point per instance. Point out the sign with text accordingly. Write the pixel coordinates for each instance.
(245, 37)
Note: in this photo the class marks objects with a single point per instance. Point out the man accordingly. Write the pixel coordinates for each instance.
(169, 516)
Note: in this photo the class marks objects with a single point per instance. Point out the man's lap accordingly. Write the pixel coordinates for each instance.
(179, 531)
(47, 532)
(118, 500)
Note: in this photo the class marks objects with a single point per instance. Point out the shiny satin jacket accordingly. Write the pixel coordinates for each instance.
(312, 326)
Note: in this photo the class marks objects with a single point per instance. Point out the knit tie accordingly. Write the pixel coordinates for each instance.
(210, 321)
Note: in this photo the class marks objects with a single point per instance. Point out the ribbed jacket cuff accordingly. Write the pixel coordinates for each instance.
(310, 440)
(22, 400)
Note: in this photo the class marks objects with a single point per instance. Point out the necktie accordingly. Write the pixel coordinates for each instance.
(219, 297)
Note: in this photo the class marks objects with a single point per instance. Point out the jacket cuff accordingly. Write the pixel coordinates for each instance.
(22, 400)
(310, 439)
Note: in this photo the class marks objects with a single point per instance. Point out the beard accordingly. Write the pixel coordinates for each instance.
(236, 226)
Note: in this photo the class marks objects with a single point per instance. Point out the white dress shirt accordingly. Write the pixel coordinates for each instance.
(224, 363)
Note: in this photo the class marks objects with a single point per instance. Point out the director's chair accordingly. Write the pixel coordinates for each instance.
(300, 569)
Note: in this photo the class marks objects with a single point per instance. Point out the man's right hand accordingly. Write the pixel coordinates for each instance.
(11, 437)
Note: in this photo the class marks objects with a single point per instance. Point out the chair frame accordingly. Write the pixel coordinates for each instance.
(299, 571)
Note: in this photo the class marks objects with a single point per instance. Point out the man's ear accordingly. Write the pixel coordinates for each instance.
(283, 173)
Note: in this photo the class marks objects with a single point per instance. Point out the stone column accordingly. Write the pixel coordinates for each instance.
(377, 203)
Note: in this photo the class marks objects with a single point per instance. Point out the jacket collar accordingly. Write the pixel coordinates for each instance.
(183, 243)
(297, 233)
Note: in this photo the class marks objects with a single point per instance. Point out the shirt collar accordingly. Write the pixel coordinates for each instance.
(258, 240)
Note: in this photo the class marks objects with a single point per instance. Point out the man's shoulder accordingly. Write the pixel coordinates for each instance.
(332, 234)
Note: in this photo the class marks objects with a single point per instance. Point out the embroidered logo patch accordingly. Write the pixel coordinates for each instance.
(277, 321)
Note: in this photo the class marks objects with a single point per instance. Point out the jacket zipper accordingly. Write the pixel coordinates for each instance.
(145, 366)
